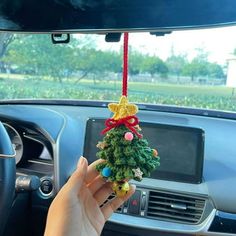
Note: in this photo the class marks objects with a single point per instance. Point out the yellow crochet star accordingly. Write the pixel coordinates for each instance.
(122, 109)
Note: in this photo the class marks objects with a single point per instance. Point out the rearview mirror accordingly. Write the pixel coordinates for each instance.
(113, 15)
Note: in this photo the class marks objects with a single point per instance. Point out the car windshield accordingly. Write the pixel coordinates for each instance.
(193, 68)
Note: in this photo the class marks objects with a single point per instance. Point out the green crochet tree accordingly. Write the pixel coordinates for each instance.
(125, 153)
(126, 156)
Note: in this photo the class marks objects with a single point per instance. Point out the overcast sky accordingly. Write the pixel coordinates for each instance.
(219, 42)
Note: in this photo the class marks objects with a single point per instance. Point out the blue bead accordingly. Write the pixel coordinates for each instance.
(106, 172)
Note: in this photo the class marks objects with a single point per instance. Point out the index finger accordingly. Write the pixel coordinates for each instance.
(92, 173)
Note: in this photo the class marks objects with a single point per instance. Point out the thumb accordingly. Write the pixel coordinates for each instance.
(78, 177)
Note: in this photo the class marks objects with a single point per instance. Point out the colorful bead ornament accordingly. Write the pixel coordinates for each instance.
(129, 136)
(106, 172)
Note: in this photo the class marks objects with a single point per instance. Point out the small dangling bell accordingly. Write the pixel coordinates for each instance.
(120, 188)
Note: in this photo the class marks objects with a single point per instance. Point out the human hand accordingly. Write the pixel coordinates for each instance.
(76, 208)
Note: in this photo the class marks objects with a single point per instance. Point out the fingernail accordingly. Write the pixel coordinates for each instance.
(81, 162)
(133, 186)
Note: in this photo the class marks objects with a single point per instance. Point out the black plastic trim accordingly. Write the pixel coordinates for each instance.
(224, 223)
(123, 15)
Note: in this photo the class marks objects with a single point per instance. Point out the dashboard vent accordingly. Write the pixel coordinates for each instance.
(175, 207)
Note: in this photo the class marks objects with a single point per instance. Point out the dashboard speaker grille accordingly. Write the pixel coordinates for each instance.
(175, 207)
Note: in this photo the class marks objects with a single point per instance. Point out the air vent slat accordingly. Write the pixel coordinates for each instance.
(175, 207)
(175, 217)
(196, 208)
(168, 204)
(173, 220)
(179, 200)
(176, 211)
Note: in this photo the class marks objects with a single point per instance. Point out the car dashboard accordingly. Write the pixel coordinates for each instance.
(50, 138)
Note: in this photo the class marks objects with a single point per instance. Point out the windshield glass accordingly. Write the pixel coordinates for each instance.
(185, 68)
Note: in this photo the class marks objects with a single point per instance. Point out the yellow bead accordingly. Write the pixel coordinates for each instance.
(120, 188)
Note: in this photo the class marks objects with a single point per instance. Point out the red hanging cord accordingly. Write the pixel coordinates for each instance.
(125, 64)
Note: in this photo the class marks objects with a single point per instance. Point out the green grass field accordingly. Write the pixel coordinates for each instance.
(210, 97)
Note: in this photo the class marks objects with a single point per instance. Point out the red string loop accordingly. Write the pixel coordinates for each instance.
(125, 64)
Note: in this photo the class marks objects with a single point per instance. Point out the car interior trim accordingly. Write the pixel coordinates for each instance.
(149, 224)
(142, 106)
(8, 156)
(56, 156)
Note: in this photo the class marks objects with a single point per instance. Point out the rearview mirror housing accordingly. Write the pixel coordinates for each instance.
(104, 16)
